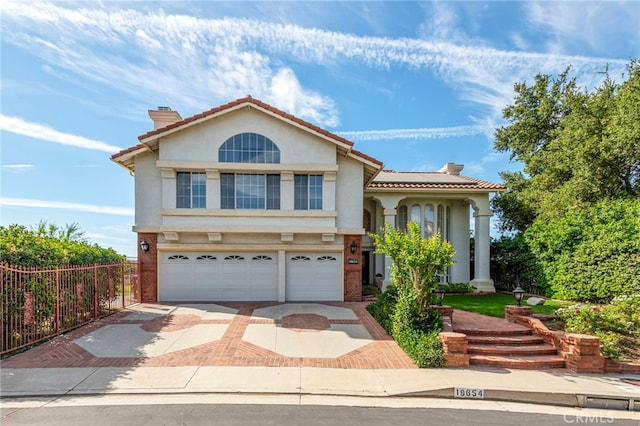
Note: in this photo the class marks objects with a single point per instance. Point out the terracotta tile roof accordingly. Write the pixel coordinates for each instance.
(127, 150)
(237, 102)
(260, 104)
(366, 157)
(429, 180)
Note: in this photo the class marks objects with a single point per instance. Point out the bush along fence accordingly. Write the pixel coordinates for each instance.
(37, 304)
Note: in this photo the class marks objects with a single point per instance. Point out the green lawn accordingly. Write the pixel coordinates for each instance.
(493, 304)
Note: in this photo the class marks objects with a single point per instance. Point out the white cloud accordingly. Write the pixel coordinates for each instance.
(44, 133)
(425, 133)
(90, 208)
(594, 26)
(227, 58)
(17, 167)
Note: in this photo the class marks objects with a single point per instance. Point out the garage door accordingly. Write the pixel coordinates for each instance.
(214, 277)
(314, 277)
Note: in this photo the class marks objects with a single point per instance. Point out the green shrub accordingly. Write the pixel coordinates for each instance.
(423, 347)
(612, 323)
(416, 331)
(383, 309)
(457, 288)
(370, 289)
(592, 254)
(22, 247)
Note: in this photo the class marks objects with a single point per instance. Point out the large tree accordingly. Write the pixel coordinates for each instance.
(574, 145)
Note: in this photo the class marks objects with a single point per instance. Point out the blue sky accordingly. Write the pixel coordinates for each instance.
(413, 84)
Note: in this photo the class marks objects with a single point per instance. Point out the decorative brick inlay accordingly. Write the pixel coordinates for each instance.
(382, 353)
(305, 322)
(511, 313)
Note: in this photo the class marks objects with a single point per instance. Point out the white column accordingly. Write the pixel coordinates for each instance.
(168, 188)
(390, 218)
(213, 189)
(482, 281)
(286, 190)
(282, 273)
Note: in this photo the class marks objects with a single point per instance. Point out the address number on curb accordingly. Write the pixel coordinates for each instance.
(468, 393)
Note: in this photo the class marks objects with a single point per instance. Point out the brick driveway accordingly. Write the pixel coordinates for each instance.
(224, 334)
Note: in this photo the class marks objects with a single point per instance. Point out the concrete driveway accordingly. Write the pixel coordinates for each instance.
(329, 335)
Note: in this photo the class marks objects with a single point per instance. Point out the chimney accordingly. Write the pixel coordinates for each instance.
(163, 116)
(451, 169)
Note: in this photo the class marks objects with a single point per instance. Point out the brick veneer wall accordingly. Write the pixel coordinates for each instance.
(148, 268)
(352, 272)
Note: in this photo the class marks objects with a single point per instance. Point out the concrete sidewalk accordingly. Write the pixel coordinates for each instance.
(621, 392)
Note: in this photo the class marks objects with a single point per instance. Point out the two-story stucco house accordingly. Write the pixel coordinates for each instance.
(245, 202)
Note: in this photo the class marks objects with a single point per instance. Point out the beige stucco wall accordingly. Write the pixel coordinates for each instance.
(349, 184)
(201, 142)
(196, 149)
(148, 191)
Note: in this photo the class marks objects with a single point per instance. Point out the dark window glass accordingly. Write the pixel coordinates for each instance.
(227, 191)
(249, 191)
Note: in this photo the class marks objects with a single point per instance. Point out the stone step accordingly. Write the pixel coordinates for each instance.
(522, 361)
(487, 332)
(535, 349)
(505, 340)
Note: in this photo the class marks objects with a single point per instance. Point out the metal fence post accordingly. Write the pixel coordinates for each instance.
(123, 269)
(57, 318)
(95, 291)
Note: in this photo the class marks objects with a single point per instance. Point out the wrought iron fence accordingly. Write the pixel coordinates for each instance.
(37, 304)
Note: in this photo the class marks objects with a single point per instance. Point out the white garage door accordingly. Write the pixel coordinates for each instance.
(217, 277)
(314, 277)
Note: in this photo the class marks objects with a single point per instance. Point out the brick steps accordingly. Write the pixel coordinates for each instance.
(508, 350)
(533, 362)
(520, 331)
(510, 347)
(505, 340)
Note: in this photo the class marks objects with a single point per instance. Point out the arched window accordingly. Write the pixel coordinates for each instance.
(415, 214)
(366, 220)
(249, 148)
(429, 221)
(441, 222)
(402, 218)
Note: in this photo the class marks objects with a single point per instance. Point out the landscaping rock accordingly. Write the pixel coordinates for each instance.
(534, 301)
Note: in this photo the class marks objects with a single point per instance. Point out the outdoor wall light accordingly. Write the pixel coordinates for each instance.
(440, 293)
(144, 245)
(353, 247)
(517, 293)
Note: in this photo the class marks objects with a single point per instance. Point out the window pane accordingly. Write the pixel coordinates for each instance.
(273, 192)
(250, 191)
(301, 192)
(428, 229)
(415, 214)
(198, 190)
(402, 218)
(249, 148)
(183, 190)
(440, 220)
(227, 191)
(315, 192)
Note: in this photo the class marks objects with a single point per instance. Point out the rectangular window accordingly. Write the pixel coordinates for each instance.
(307, 192)
(191, 190)
(249, 191)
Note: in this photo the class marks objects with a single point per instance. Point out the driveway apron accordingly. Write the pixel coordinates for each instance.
(329, 335)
